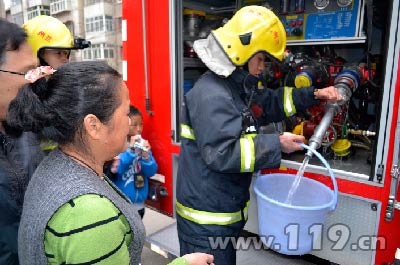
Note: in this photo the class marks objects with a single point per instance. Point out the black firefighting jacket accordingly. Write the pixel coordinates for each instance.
(220, 149)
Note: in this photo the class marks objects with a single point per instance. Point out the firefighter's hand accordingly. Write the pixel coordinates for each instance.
(330, 93)
(199, 258)
(290, 142)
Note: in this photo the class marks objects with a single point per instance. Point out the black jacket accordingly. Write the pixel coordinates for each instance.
(209, 175)
(19, 157)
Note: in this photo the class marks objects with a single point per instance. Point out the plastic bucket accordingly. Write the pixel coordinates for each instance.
(292, 229)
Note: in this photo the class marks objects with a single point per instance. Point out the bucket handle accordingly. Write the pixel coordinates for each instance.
(335, 187)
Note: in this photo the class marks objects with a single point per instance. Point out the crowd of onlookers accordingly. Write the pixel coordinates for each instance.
(57, 131)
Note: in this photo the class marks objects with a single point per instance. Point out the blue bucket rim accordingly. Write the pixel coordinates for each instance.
(335, 192)
(296, 207)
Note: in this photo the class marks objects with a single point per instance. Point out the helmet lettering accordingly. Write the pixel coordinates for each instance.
(48, 38)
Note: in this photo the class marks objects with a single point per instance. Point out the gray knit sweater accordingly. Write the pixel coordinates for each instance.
(57, 180)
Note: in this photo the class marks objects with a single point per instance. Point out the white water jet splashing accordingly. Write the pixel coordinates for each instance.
(297, 180)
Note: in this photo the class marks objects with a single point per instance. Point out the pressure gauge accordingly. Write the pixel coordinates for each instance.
(321, 4)
(344, 3)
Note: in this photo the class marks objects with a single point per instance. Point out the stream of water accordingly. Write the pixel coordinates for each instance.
(297, 180)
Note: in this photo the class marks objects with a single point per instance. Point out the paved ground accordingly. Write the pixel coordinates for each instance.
(153, 222)
(150, 257)
(161, 232)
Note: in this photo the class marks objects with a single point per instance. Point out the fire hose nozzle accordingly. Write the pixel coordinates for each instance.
(346, 82)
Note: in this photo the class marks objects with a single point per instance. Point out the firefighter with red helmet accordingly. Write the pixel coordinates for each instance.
(220, 143)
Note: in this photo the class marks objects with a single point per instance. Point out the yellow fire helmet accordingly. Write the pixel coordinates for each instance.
(47, 32)
(252, 29)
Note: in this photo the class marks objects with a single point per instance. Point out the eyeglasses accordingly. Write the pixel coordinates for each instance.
(13, 72)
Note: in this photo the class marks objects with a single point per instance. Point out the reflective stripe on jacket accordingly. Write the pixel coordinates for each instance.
(202, 217)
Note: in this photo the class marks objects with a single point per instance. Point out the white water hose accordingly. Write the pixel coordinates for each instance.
(335, 187)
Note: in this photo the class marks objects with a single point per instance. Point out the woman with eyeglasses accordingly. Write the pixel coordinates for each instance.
(19, 154)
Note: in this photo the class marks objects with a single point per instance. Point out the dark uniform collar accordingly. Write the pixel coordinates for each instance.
(239, 75)
(246, 82)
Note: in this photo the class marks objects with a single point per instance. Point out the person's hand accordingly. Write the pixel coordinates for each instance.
(146, 144)
(135, 138)
(290, 142)
(330, 93)
(145, 154)
(199, 258)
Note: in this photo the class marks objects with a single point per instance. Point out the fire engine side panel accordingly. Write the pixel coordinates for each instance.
(390, 229)
(385, 150)
(147, 51)
(358, 190)
(133, 48)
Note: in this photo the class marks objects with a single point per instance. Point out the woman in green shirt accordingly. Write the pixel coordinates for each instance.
(72, 213)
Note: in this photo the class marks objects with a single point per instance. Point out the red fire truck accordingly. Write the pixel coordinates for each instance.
(325, 39)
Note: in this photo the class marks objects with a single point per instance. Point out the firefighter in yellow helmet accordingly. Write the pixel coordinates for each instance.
(221, 146)
(51, 40)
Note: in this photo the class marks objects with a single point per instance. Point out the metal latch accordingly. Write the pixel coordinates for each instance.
(173, 135)
(392, 203)
(379, 173)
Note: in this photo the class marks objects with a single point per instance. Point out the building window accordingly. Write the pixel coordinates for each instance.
(109, 23)
(87, 54)
(99, 24)
(96, 51)
(57, 6)
(92, 2)
(99, 51)
(108, 51)
(37, 11)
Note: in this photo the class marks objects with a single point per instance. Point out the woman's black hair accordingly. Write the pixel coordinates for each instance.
(57, 110)
(12, 36)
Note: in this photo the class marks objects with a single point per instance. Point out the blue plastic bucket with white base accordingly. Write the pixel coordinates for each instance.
(292, 229)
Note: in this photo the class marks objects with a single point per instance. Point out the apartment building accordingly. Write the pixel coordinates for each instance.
(98, 21)
(103, 20)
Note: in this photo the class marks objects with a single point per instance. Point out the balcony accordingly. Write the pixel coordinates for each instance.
(37, 11)
(58, 6)
(92, 2)
(33, 3)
